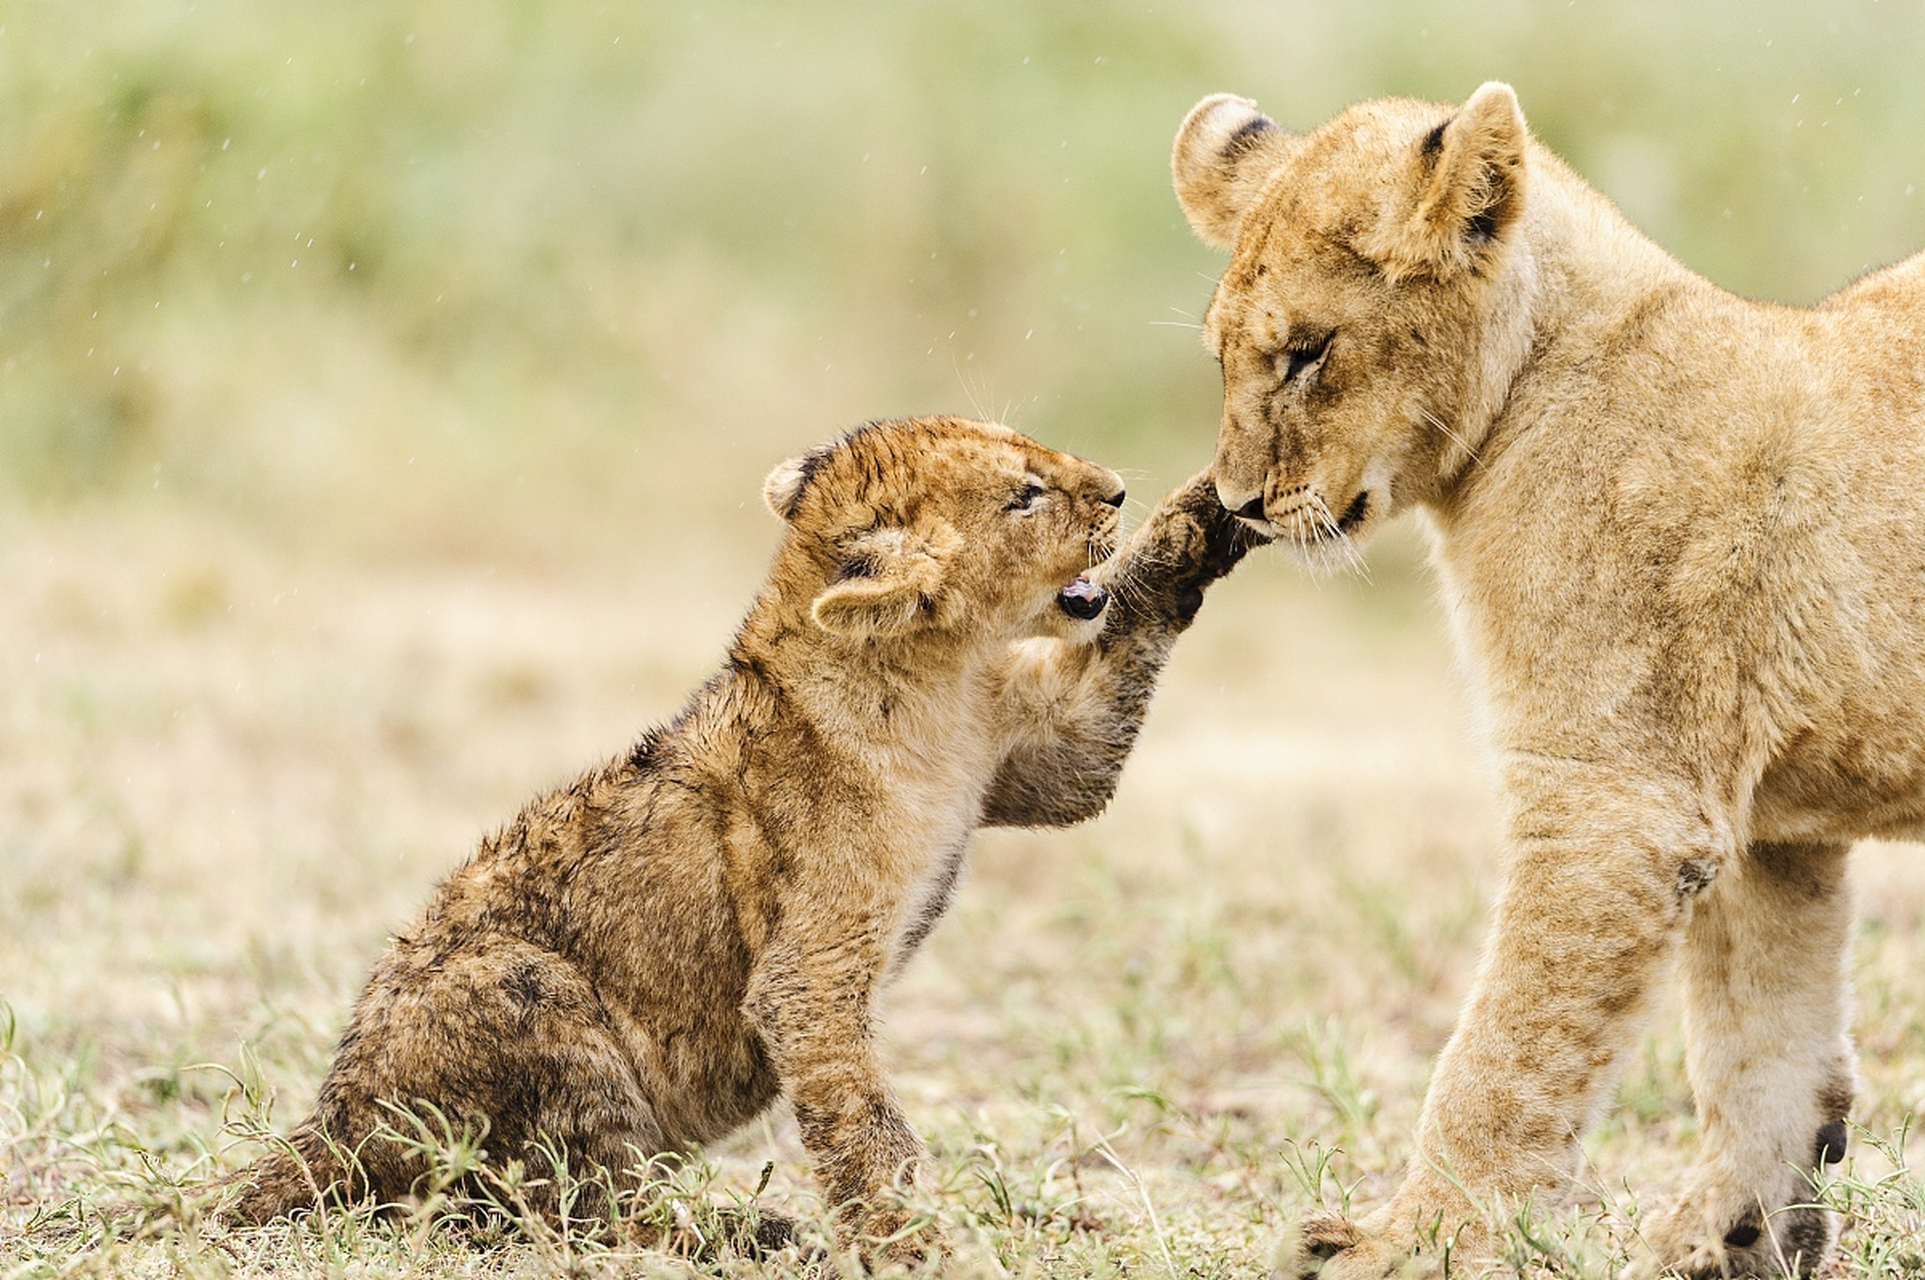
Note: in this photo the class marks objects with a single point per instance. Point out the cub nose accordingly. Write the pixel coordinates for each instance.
(1253, 509)
(1116, 499)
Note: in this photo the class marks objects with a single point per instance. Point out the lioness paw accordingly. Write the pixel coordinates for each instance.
(1331, 1247)
(1710, 1237)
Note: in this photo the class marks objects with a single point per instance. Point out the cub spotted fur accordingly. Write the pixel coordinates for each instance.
(1682, 540)
(644, 959)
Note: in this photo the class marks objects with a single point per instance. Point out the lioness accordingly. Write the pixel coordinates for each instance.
(645, 958)
(1682, 540)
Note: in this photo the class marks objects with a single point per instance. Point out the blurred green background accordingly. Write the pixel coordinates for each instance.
(456, 277)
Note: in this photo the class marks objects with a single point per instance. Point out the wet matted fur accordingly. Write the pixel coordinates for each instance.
(645, 958)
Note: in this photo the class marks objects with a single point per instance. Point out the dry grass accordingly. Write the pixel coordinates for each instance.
(1144, 1045)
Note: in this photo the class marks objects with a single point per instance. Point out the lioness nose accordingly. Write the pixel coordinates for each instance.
(1253, 509)
(1116, 499)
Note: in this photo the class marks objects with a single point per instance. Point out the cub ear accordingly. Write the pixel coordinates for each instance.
(1224, 151)
(782, 491)
(1465, 191)
(889, 584)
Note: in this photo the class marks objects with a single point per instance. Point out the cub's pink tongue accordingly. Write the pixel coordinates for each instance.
(1082, 598)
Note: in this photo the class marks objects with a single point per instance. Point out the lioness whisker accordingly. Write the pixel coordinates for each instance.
(1456, 439)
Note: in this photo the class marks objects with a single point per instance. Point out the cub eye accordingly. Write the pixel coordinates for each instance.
(1294, 361)
(1025, 499)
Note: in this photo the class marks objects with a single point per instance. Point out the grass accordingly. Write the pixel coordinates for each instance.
(384, 394)
(1146, 1045)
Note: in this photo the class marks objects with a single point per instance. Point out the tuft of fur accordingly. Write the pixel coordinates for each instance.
(645, 958)
(1682, 538)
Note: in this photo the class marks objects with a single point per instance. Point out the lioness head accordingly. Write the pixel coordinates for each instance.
(945, 525)
(1373, 308)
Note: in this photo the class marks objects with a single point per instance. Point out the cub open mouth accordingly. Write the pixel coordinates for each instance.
(1081, 598)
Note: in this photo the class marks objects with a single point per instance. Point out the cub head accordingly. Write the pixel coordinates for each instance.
(933, 526)
(1374, 309)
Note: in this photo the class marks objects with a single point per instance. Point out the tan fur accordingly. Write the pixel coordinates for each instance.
(644, 959)
(1682, 538)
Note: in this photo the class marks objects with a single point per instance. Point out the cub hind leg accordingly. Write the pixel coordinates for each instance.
(504, 1040)
(1769, 1053)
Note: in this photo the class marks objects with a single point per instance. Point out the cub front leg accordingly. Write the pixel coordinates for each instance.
(813, 1001)
(1766, 1011)
(1073, 711)
(1604, 871)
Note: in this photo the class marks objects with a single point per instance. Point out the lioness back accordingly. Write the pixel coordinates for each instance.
(1682, 537)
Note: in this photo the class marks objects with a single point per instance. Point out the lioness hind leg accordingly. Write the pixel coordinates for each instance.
(1771, 1064)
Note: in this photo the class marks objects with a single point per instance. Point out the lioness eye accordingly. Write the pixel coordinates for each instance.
(1296, 359)
(1025, 498)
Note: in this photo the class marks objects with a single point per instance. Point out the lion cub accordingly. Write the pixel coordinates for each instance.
(1682, 537)
(646, 958)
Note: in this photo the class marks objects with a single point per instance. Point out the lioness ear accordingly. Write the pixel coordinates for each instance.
(1224, 151)
(889, 585)
(1467, 188)
(782, 491)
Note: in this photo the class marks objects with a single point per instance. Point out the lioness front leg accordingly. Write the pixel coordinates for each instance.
(1602, 877)
(814, 1005)
(1771, 1063)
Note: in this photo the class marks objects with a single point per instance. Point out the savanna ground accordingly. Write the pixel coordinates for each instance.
(384, 396)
